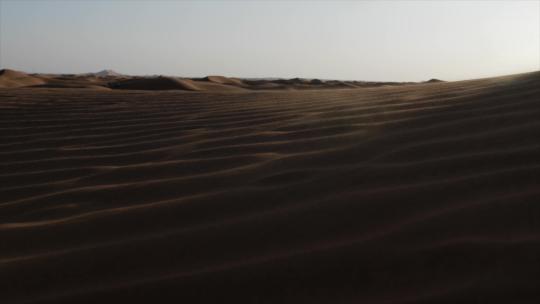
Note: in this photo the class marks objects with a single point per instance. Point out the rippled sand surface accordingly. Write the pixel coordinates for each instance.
(424, 193)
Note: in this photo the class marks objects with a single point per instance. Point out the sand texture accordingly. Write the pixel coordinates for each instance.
(225, 190)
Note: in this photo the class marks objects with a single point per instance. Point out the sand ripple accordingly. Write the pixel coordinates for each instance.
(424, 193)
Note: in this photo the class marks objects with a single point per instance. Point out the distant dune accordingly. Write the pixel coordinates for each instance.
(224, 80)
(155, 83)
(109, 79)
(269, 191)
(16, 79)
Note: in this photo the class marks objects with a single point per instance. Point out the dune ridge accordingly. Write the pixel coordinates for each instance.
(109, 79)
(156, 83)
(16, 79)
(419, 193)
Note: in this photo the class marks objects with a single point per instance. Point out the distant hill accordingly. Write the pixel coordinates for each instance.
(106, 73)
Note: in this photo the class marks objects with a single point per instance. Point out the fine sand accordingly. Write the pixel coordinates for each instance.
(420, 193)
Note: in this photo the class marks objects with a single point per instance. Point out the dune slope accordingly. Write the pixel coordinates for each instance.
(412, 194)
(155, 83)
(16, 79)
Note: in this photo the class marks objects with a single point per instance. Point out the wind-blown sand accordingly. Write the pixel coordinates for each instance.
(425, 193)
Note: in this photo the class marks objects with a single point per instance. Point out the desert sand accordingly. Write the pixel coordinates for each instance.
(223, 190)
(111, 80)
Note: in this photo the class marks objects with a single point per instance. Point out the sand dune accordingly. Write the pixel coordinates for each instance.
(15, 79)
(421, 193)
(108, 79)
(155, 83)
(224, 80)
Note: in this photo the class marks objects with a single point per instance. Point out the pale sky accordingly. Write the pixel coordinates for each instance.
(360, 40)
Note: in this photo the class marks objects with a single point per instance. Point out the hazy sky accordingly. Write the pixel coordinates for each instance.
(364, 40)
